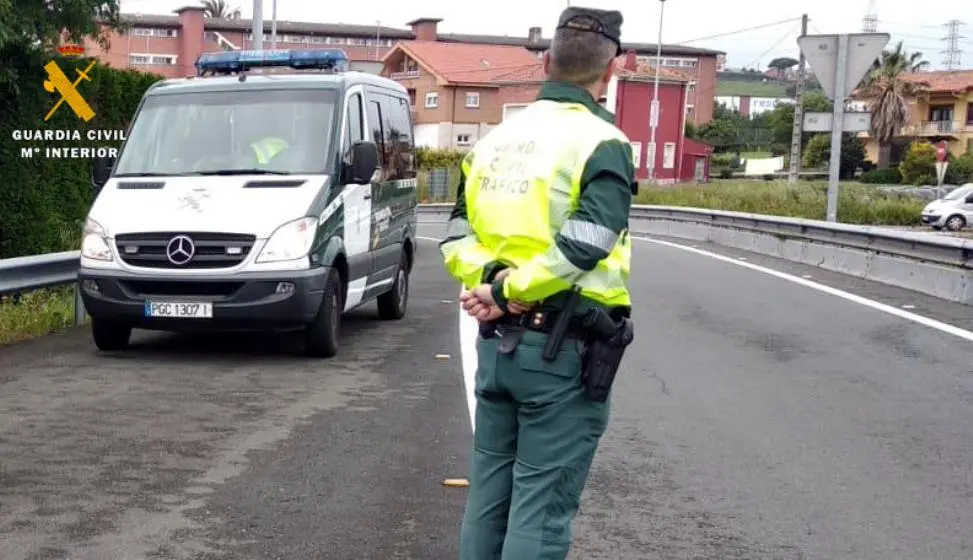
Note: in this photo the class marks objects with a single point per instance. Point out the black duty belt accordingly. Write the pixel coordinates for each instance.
(543, 322)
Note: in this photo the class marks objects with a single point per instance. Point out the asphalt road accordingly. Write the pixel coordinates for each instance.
(755, 418)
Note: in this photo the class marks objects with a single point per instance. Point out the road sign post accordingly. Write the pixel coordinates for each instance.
(942, 162)
(839, 62)
(841, 75)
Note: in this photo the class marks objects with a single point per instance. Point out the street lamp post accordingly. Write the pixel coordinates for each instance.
(652, 152)
(273, 25)
(258, 25)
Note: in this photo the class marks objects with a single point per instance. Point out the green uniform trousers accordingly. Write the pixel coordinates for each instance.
(536, 435)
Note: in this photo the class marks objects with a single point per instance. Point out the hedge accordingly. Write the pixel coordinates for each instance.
(43, 200)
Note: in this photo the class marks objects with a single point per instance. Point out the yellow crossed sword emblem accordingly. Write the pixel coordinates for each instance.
(59, 82)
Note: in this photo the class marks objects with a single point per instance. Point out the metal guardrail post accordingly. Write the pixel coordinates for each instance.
(79, 311)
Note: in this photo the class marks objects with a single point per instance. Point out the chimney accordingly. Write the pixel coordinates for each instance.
(534, 36)
(192, 28)
(631, 61)
(424, 29)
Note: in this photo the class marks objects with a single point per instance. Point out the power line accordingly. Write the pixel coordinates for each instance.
(738, 31)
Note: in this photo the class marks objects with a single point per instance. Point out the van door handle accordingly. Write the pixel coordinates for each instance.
(367, 197)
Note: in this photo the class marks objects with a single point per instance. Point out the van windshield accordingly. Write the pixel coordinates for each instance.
(259, 131)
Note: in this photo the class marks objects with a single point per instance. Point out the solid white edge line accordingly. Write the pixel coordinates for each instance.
(469, 330)
(925, 321)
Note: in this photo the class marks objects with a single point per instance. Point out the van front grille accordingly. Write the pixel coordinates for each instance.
(184, 250)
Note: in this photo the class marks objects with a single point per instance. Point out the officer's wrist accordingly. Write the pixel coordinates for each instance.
(496, 290)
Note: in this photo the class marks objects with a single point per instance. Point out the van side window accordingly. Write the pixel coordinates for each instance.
(398, 138)
(355, 131)
(377, 135)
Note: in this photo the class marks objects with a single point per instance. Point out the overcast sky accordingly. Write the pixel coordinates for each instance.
(686, 21)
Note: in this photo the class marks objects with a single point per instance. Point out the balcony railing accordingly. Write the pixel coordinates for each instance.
(404, 75)
(937, 128)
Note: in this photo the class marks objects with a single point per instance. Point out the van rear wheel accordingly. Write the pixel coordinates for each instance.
(393, 304)
(321, 336)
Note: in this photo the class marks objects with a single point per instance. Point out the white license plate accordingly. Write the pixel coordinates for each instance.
(178, 309)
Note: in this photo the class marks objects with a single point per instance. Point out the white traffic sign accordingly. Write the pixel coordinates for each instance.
(821, 52)
(941, 171)
(851, 122)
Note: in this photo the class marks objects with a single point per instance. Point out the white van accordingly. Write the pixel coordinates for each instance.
(953, 211)
(257, 202)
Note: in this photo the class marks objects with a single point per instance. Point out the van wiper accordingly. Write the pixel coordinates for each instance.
(241, 172)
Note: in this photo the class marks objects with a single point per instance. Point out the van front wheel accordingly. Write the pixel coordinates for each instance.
(321, 336)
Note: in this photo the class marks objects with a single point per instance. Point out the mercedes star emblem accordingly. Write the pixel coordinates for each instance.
(180, 250)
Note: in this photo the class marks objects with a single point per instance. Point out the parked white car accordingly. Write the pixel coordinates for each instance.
(953, 211)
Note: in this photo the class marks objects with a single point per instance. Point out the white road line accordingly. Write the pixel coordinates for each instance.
(469, 330)
(925, 321)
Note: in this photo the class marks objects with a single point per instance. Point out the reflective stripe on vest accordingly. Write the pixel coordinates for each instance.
(535, 162)
(267, 149)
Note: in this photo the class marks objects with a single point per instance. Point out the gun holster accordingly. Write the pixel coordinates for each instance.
(603, 353)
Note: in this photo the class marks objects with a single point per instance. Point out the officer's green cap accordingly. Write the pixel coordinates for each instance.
(605, 22)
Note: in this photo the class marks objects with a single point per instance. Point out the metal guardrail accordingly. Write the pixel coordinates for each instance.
(36, 272)
(23, 274)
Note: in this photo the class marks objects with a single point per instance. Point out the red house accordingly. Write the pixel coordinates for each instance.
(630, 94)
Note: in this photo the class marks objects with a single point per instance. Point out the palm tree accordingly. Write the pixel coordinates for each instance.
(216, 8)
(889, 91)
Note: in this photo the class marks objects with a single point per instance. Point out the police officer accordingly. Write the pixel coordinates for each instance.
(541, 215)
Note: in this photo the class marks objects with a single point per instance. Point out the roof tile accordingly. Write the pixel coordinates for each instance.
(465, 63)
(943, 80)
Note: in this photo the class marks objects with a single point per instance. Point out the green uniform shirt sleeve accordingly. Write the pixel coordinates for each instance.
(465, 258)
(589, 235)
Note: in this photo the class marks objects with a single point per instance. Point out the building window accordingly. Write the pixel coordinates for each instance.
(432, 100)
(463, 140)
(472, 99)
(154, 32)
(669, 155)
(152, 59)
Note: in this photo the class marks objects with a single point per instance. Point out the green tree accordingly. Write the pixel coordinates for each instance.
(888, 91)
(216, 8)
(30, 29)
(817, 154)
(781, 65)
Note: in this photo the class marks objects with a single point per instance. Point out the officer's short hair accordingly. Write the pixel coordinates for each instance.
(580, 57)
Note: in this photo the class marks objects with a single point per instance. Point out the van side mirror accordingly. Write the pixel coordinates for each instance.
(101, 171)
(364, 162)
(969, 199)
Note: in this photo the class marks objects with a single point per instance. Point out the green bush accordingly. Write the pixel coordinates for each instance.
(890, 176)
(918, 167)
(44, 200)
(960, 170)
(428, 158)
(817, 154)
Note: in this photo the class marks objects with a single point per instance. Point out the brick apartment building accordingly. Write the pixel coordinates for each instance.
(170, 44)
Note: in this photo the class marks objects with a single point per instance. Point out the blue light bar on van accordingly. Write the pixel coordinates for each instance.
(228, 62)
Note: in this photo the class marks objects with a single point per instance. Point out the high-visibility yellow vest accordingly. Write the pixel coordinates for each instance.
(523, 181)
(267, 149)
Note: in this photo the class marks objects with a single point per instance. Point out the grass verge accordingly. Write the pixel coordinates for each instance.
(857, 203)
(35, 313)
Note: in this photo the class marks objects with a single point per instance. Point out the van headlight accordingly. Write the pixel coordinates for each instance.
(290, 241)
(94, 242)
